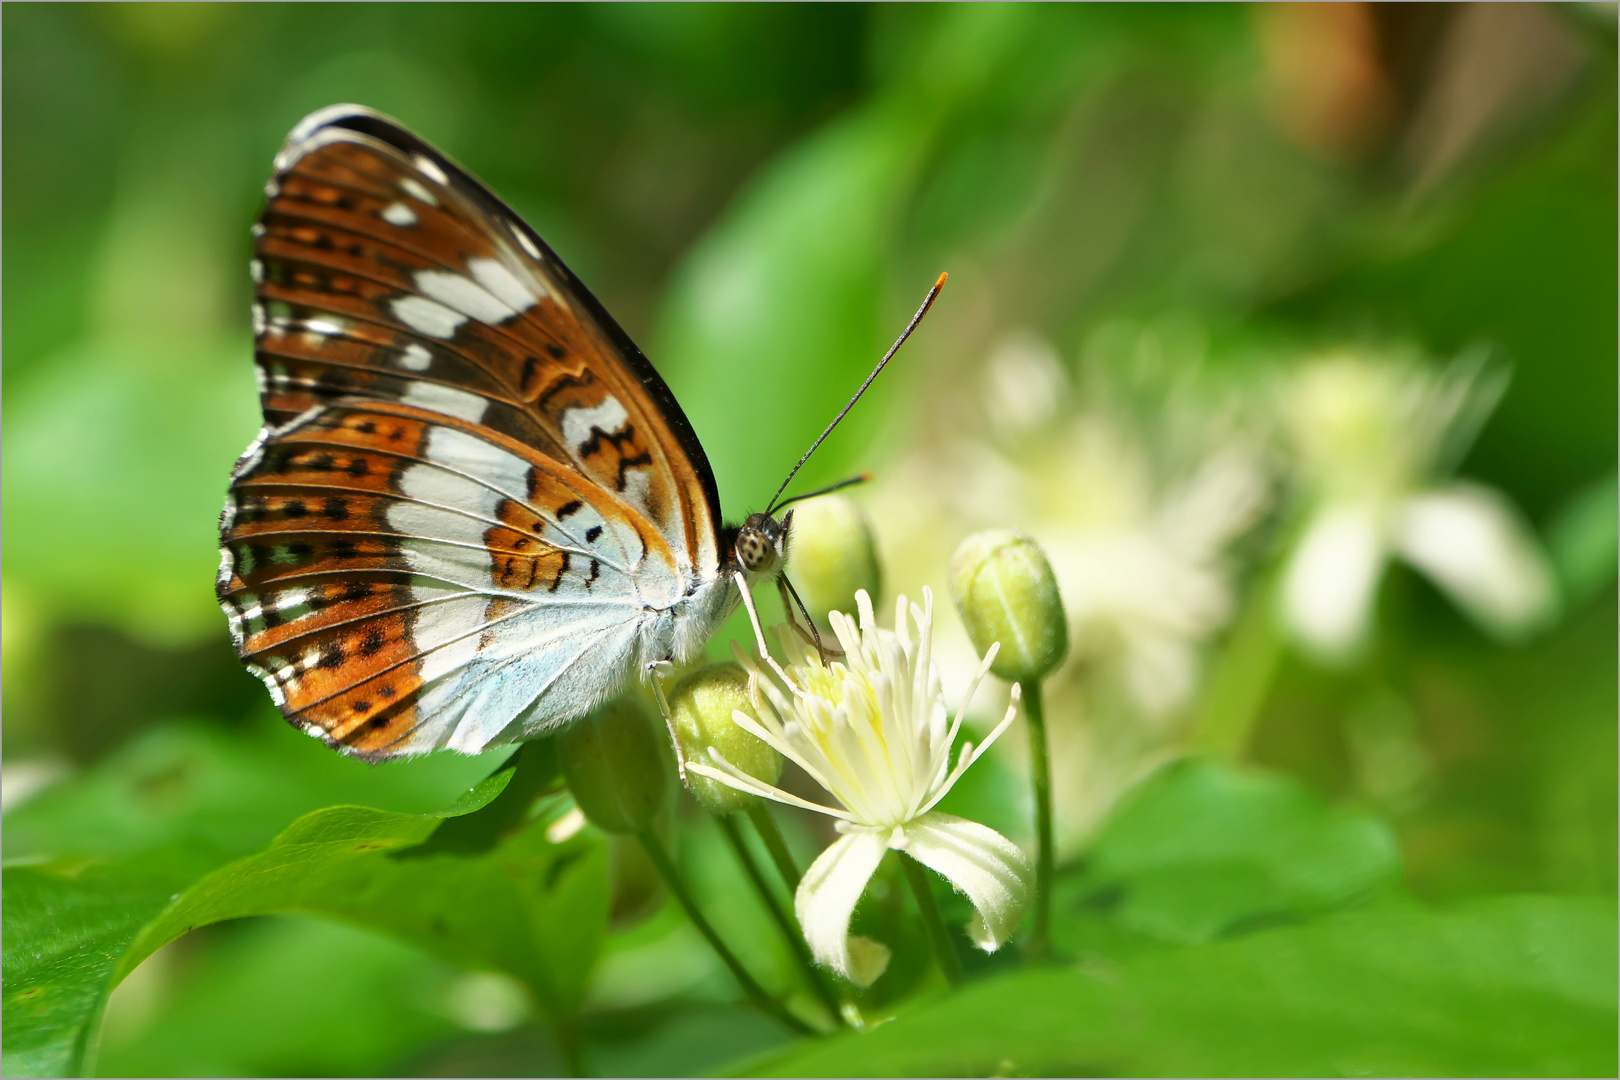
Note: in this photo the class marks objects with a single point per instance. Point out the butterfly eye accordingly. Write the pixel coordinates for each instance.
(756, 553)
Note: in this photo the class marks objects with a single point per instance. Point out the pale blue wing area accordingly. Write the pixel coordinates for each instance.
(544, 667)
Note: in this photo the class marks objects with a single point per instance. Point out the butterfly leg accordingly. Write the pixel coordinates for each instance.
(753, 614)
(656, 671)
(812, 637)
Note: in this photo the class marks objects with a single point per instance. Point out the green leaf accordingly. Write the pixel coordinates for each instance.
(218, 791)
(92, 860)
(775, 318)
(69, 928)
(243, 1006)
(1205, 848)
(690, 1039)
(65, 926)
(1522, 986)
(1582, 540)
(534, 909)
(497, 896)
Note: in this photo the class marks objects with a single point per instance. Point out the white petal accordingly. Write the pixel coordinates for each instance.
(1473, 545)
(1222, 500)
(733, 777)
(1328, 588)
(980, 935)
(971, 753)
(1161, 668)
(826, 899)
(992, 870)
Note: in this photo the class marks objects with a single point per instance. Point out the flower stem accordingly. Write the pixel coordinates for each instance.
(1040, 767)
(939, 937)
(677, 886)
(1238, 687)
(765, 825)
(795, 940)
(568, 1045)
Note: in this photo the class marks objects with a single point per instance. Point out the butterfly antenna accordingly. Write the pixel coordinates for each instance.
(928, 302)
(828, 490)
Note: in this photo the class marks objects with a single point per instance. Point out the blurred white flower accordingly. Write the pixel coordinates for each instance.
(1025, 385)
(21, 780)
(1137, 489)
(873, 730)
(487, 1001)
(1141, 562)
(1375, 440)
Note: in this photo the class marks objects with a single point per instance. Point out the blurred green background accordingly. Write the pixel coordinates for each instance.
(761, 194)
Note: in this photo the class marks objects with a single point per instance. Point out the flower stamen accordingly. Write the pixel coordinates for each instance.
(873, 731)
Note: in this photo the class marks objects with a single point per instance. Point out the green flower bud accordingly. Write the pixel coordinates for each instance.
(701, 706)
(615, 766)
(831, 554)
(1005, 591)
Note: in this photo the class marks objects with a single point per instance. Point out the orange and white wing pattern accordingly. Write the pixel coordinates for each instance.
(475, 506)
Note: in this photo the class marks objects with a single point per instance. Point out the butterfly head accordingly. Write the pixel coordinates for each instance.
(761, 543)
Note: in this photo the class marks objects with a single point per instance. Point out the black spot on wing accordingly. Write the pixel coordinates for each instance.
(566, 382)
(627, 434)
(643, 458)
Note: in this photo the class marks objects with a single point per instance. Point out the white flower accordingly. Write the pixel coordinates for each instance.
(1137, 497)
(1138, 486)
(1375, 440)
(1143, 564)
(1025, 386)
(873, 730)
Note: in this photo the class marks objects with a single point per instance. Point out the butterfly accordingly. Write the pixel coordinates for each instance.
(475, 508)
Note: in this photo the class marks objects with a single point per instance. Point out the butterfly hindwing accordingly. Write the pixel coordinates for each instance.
(475, 506)
(382, 562)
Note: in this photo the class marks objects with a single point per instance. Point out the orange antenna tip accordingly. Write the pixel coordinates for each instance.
(940, 284)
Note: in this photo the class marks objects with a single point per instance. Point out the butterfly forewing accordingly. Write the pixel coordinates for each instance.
(471, 488)
(437, 298)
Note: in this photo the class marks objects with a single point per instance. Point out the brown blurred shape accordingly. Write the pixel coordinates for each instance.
(1329, 86)
(1425, 86)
